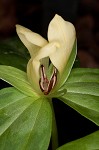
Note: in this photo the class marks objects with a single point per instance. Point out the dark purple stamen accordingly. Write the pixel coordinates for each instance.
(47, 85)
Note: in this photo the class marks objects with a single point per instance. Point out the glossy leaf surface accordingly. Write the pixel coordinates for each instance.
(14, 60)
(13, 53)
(84, 75)
(17, 78)
(25, 122)
(83, 93)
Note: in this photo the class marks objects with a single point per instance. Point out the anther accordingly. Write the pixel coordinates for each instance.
(47, 85)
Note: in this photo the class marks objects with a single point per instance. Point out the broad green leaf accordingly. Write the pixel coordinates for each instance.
(89, 142)
(13, 45)
(17, 78)
(90, 88)
(86, 105)
(13, 53)
(82, 94)
(84, 75)
(13, 60)
(12, 104)
(25, 122)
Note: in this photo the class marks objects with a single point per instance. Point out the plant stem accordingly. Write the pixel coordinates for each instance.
(54, 129)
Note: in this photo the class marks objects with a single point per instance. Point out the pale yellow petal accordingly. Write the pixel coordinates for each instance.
(33, 67)
(33, 74)
(63, 32)
(32, 37)
(47, 50)
(31, 40)
(33, 49)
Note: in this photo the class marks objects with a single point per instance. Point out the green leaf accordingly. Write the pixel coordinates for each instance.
(13, 45)
(82, 94)
(17, 78)
(25, 122)
(90, 88)
(89, 142)
(86, 105)
(13, 53)
(84, 75)
(12, 104)
(13, 60)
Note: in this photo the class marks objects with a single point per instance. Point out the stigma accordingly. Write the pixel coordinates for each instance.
(46, 85)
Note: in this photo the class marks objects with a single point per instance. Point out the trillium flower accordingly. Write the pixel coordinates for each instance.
(46, 70)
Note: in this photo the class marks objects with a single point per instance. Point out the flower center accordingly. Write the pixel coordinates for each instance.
(47, 85)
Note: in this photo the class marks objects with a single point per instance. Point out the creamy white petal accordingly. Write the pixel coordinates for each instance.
(33, 66)
(33, 49)
(47, 50)
(63, 32)
(31, 40)
(32, 37)
(33, 74)
(61, 38)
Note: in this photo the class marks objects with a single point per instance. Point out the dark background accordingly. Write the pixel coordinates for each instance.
(36, 15)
